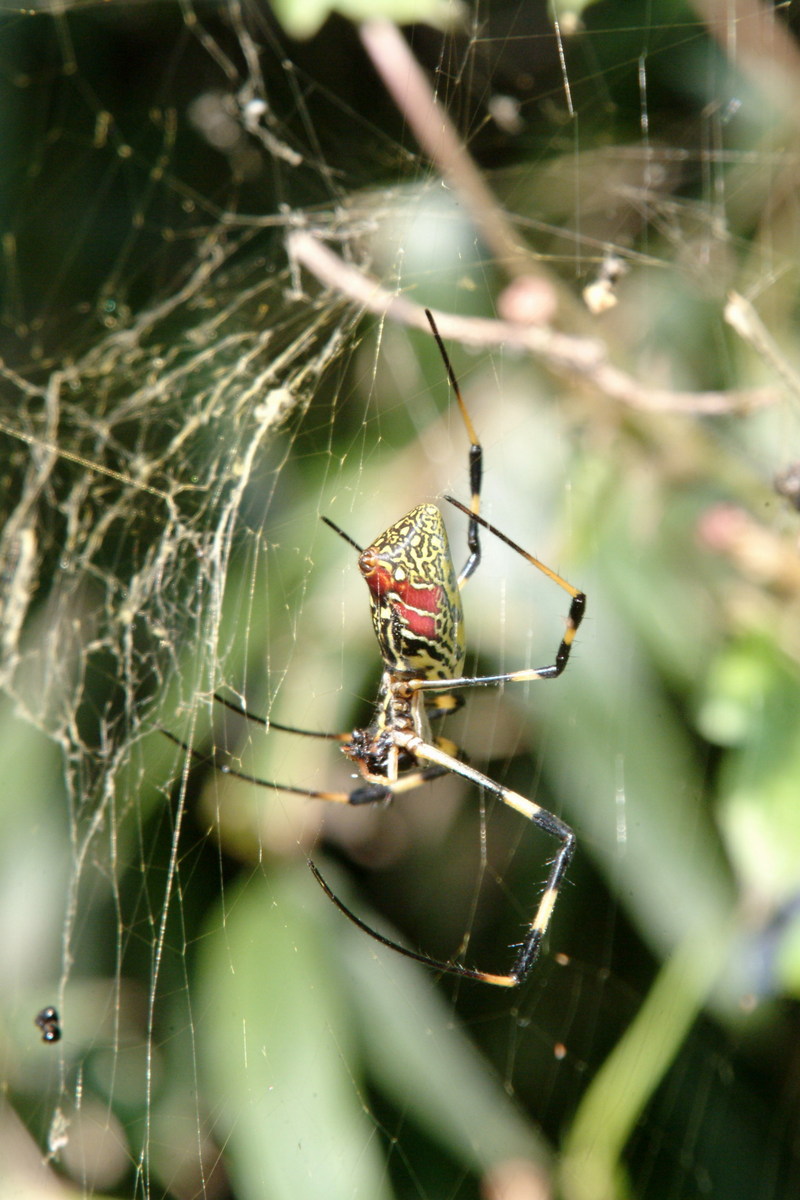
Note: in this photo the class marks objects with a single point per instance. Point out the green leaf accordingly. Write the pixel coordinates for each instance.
(760, 781)
(298, 1014)
(278, 1047)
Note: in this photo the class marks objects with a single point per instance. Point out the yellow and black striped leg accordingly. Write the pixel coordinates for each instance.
(374, 793)
(531, 946)
(529, 951)
(534, 812)
(577, 610)
(475, 465)
(443, 704)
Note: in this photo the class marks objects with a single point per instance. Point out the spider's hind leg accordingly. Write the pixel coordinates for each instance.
(547, 821)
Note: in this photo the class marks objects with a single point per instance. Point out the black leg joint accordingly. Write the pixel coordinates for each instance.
(475, 468)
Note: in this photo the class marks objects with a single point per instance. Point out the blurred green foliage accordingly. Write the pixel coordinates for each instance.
(226, 1031)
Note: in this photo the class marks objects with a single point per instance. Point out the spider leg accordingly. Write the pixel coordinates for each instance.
(475, 465)
(367, 793)
(445, 763)
(535, 562)
(575, 615)
(442, 704)
(270, 724)
(447, 968)
(345, 536)
(525, 675)
(371, 793)
(226, 769)
(547, 821)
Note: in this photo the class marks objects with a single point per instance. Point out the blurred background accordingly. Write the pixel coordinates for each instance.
(220, 225)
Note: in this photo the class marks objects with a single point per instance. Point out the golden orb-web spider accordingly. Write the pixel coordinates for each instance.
(416, 611)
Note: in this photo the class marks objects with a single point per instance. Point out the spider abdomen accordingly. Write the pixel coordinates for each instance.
(414, 596)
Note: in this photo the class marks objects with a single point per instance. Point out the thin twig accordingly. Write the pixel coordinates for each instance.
(743, 318)
(582, 357)
(408, 86)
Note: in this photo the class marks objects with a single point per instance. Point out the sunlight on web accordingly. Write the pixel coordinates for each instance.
(219, 247)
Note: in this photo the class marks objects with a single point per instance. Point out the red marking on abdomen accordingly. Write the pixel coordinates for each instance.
(417, 622)
(418, 607)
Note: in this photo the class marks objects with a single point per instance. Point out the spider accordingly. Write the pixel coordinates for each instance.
(415, 598)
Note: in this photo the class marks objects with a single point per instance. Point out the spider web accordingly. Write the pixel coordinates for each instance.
(217, 242)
